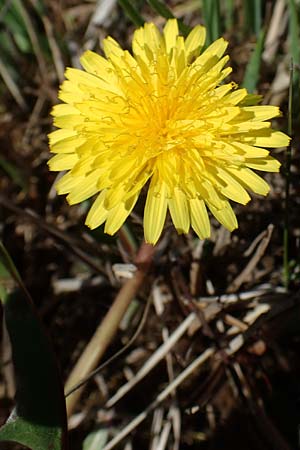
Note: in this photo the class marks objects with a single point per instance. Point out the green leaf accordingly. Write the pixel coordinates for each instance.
(96, 440)
(294, 49)
(253, 68)
(212, 19)
(132, 12)
(165, 12)
(39, 418)
(229, 14)
(14, 173)
(15, 24)
(253, 16)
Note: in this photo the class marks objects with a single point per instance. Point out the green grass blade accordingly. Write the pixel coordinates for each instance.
(288, 160)
(212, 19)
(253, 16)
(294, 32)
(39, 419)
(131, 12)
(161, 9)
(253, 68)
(165, 12)
(257, 16)
(14, 173)
(229, 14)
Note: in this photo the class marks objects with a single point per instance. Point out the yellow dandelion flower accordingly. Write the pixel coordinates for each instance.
(164, 116)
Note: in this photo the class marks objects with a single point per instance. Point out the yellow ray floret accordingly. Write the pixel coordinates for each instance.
(161, 116)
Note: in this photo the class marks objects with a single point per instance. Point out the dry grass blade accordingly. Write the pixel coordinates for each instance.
(34, 39)
(157, 356)
(248, 270)
(275, 31)
(63, 237)
(55, 50)
(12, 86)
(200, 360)
(108, 327)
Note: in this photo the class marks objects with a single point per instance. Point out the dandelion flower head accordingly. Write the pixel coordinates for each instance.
(164, 117)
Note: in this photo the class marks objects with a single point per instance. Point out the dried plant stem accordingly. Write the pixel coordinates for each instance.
(161, 397)
(154, 359)
(108, 328)
(12, 86)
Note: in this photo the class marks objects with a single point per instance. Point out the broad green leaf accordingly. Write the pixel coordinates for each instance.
(253, 68)
(39, 418)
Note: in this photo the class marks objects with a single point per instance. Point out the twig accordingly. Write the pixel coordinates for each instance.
(12, 86)
(157, 356)
(261, 290)
(254, 244)
(117, 354)
(108, 328)
(244, 275)
(55, 50)
(34, 116)
(161, 397)
(55, 232)
(234, 346)
(34, 39)
(275, 30)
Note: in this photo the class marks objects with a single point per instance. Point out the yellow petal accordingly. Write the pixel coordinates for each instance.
(179, 211)
(69, 121)
(67, 183)
(199, 218)
(63, 161)
(153, 38)
(84, 189)
(270, 138)
(216, 49)
(194, 42)
(60, 135)
(262, 112)
(235, 97)
(249, 151)
(95, 64)
(232, 188)
(117, 216)
(112, 48)
(268, 164)
(155, 211)
(170, 34)
(250, 179)
(225, 216)
(97, 214)
(83, 166)
(78, 76)
(68, 145)
(64, 110)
